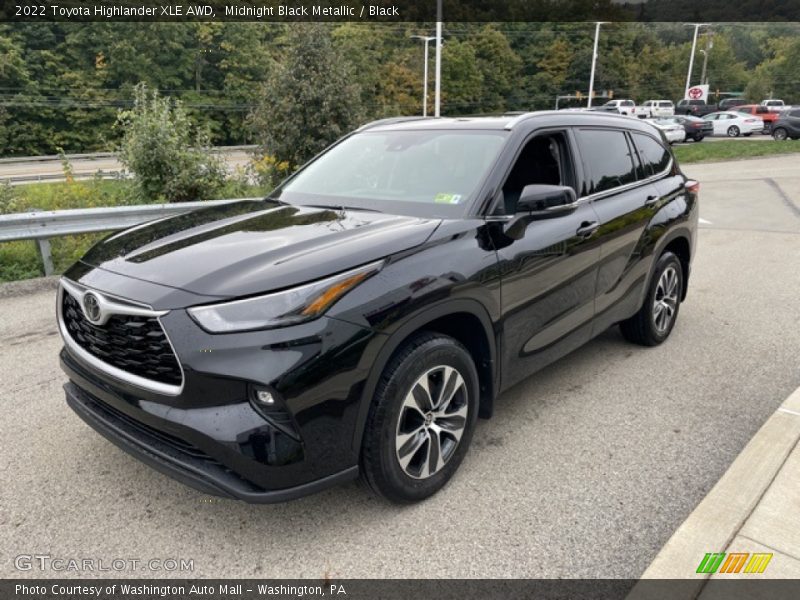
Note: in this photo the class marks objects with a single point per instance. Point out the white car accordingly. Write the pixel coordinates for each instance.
(656, 108)
(673, 130)
(734, 124)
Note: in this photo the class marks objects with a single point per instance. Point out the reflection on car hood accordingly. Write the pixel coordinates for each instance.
(251, 247)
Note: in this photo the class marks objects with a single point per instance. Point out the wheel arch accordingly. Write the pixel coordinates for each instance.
(465, 320)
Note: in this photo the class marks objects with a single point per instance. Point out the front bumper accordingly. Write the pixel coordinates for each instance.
(209, 433)
(180, 459)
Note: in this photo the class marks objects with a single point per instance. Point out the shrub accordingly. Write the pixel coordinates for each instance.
(168, 156)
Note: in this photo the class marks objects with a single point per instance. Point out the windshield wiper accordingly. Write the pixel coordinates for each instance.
(341, 207)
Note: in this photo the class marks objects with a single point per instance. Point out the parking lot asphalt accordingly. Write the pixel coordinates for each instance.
(585, 470)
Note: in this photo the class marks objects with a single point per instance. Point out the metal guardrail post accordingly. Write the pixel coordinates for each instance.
(44, 253)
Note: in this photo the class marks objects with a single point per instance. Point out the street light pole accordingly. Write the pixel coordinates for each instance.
(697, 27)
(425, 39)
(437, 101)
(594, 61)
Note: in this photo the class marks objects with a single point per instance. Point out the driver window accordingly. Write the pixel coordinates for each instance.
(543, 161)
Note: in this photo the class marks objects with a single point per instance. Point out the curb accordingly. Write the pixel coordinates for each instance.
(720, 515)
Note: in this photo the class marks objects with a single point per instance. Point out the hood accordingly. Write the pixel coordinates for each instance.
(251, 247)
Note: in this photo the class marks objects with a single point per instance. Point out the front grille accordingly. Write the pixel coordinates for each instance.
(134, 344)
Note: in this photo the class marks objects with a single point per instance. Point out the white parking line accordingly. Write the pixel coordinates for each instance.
(704, 222)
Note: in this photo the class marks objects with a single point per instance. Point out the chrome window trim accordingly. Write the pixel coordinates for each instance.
(114, 307)
(626, 187)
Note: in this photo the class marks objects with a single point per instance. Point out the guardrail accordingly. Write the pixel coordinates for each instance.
(12, 179)
(41, 225)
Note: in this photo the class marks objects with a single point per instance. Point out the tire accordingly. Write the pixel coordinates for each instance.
(733, 131)
(397, 424)
(780, 134)
(650, 327)
(747, 134)
(698, 138)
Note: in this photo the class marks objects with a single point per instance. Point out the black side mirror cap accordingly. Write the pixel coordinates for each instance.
(539, 198)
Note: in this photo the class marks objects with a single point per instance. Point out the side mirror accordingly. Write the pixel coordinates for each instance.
(540, 202)
(543, 200)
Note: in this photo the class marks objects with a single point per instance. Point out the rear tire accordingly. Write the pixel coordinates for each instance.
(415, 439)
(733, 131)
(780, 134)
(698, 138)
(656, 318)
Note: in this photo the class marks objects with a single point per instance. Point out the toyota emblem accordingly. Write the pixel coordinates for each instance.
(91, 307)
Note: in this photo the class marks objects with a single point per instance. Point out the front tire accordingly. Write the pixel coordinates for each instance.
(733, 131)
(421, 420)
(656, 318)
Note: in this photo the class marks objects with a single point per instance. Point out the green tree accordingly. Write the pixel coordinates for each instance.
(168, 156)
(309, 100)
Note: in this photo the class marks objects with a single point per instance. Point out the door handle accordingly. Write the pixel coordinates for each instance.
(651, 200)
(587, 228)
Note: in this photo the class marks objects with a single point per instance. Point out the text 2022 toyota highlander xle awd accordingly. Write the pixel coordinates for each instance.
(363, 316)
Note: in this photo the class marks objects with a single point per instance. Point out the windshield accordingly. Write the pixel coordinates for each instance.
(417, 173)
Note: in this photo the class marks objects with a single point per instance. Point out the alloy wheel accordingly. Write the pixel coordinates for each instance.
(665, 300)
(779, 134)
(431, 422)
(733, 131)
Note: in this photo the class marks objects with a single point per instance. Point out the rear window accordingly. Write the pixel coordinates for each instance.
(653, 154)
(666, 104)
(607, 158)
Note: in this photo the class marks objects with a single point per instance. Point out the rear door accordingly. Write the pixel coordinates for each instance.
(619, 187)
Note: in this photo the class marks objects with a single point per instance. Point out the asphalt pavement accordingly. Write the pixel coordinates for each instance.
(585, 470)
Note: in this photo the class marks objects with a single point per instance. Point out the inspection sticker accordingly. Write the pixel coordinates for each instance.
(447, 198)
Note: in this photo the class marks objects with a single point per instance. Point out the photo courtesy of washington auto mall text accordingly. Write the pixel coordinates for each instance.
(399, 299)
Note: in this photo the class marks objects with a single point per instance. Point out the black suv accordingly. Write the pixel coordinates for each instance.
(364, 315)
(787, 126)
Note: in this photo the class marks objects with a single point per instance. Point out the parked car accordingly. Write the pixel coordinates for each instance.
(734, 124)
(361, 317)
(774, 104)
(787, 126)
(695, 128)
(623, 107)
(672, 129)
(731, 103)
(655, 108)
(697, 108)
(762, 112)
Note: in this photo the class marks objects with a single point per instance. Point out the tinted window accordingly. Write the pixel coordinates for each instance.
(795, 113)
(607, 157)
(653, 154)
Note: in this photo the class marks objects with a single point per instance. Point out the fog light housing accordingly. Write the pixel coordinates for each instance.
(271, 407)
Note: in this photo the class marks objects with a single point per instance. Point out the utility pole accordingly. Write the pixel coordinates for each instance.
(697, 27)
(437, 101)
(594, 60)
(425, 39)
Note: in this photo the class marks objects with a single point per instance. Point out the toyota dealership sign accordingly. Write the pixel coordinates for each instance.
(697, 92)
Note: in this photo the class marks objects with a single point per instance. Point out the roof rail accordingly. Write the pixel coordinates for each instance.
(519, 118)
(390, 121)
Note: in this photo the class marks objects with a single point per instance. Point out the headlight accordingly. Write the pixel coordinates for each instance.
(288, 307)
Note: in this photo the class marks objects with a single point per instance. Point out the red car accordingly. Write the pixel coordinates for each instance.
(766, 115)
